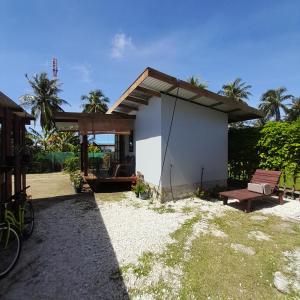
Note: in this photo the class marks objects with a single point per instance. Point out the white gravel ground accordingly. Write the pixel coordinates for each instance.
(289, 210)
(133, 230)
(79, 244)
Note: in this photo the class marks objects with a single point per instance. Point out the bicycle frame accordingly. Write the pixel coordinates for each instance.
(11, 220)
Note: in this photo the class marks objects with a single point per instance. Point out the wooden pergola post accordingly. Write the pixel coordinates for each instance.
(18, 152)
(23, 169)
(85, 157)
(7, 130)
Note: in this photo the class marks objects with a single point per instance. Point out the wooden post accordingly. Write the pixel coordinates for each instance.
(85, 154)
(23, 168)
(7, 127)
(18, 152)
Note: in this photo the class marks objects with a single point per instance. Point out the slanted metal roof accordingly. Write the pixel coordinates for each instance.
(154, 83)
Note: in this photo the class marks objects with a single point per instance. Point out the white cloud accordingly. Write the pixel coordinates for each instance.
(120, 44)
(83, 72)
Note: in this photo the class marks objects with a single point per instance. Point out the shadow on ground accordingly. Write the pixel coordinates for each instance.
(109, 187)
(256, 205)
(69, 255)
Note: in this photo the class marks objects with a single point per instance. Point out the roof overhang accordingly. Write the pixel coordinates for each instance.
(93, 123)
(17, 110)
(154, 83)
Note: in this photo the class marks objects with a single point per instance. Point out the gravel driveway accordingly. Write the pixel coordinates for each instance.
(81, 241)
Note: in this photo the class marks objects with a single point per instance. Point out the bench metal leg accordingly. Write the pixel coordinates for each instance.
(225, 200)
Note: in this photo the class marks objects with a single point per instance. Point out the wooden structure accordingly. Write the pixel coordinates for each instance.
(95, 123)
(246, 197)
(12, 147)
(154, 83)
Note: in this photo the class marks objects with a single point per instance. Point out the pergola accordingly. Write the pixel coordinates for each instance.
(13, 119)
(93, 123)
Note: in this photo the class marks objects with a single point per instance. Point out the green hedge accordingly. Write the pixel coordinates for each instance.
(275, 146)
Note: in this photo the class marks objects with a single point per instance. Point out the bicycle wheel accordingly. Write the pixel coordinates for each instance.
(10, 248)
(28, 220)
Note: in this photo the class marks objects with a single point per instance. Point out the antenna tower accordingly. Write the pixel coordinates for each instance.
(54, 67)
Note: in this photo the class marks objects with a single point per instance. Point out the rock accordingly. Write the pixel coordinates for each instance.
(242, 248)
(281, 282)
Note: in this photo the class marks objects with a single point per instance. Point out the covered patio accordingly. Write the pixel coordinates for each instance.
(121, 167)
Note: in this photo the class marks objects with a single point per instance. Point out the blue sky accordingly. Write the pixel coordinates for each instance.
(106, 44)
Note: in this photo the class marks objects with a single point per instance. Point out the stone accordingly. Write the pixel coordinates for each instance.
(281, 282)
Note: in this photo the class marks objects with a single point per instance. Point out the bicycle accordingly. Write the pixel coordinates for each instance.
(17, 224)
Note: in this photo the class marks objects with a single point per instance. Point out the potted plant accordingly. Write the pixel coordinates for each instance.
(77, 181)
(137, 188)
(142, 190)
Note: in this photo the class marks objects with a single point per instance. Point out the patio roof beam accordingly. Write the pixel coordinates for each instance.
(233, 110)
(216, 104)
(128, 106)
(118, 113)
(137, 100)
(148, 91)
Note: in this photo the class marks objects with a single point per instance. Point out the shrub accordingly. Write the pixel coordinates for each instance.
(71, 164)
(76, 179)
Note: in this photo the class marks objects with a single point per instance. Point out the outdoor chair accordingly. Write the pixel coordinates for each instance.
(246, 197)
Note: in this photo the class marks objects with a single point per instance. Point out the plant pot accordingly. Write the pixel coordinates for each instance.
(144, 196)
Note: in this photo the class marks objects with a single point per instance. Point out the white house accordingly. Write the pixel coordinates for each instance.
(179, 133)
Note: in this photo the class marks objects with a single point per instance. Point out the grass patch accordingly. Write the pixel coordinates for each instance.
(110, 197)
(175, 251)
(163, 209)
(187, 209)
(223, 273)
(144, 265)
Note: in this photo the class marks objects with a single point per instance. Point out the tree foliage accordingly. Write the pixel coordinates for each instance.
(238, 90)
(95, 102)
(196, 81)
(279, 146)
(293, 113)
(243, 156)
(45, 100)
(272, 102)
(274, 146)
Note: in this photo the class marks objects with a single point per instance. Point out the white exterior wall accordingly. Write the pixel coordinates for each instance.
(199, 138)
(147, 137)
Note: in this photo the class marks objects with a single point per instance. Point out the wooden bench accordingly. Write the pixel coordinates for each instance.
(246, 197)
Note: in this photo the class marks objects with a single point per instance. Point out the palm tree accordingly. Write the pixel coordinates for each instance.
(44, 101)
(237, 90)
(95, 102)
(196, 81)
(272, 103)
(294, 112)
